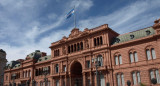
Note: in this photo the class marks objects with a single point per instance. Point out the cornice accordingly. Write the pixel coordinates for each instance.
(76, 34)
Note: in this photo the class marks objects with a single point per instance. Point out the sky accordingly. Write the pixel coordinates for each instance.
(29, 25)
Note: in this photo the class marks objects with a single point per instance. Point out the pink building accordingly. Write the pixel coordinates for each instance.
(133, 57)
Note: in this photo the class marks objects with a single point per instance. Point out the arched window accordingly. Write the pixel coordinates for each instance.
(81, 45)
(118, 59)
(68, 49)
(150, 52)
(58, 52)
(39, 72)
(101, 40)
(56, 68)
(29, 73)
(75, 47)
(100, 58)
(98, 42)
(49, 69)
(154, 73)
(120, 79)
(136, 77)
(95, 42)
(78, 47)
(71, 48)
(133, 57)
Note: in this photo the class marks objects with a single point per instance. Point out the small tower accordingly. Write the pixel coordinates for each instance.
(156, 26)
(3, 62)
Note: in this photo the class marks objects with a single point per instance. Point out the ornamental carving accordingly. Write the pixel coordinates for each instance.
(86, 44)
(75, 32)
(64, 50)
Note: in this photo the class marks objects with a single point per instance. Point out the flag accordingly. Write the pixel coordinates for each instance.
(70, 13)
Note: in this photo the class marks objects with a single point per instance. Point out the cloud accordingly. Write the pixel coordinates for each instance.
(22, 23)
(130, 15)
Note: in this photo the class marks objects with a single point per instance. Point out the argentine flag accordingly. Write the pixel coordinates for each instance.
(70, 13)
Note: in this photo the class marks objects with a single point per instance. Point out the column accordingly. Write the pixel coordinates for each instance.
(91, 82)
(66, 84)
(60, 81)
(84, 79)
(70, 80)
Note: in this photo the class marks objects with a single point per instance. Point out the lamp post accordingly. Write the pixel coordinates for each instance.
(129, 83)
(154, 81)
(45, 72)
(97, 61)
(14, 76)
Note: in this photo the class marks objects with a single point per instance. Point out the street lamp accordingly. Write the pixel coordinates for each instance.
(129, 83)
(45, 72)
(97, 61)
(13, 77)
(154, 81)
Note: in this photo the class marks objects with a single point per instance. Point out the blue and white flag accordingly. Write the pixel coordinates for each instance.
(70, 13)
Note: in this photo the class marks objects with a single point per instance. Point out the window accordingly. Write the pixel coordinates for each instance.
(57, 82)
(102, 80)
(153, 53)
(131, 36)
(118, 60)
(100, 58)
(101, 40)
(74, 47)
(68, 49)
(29, 73)
(78, 47)
(150, 54)
(81, 45)
(56, 68)
(56, 52)
(136, 78)
(71, 48)
(154, 73)
(64, 68)
(120, 79)
(148, 32)
(48, 69)
(133, 57)
(95, 42)
(98, 41)
(88, 64)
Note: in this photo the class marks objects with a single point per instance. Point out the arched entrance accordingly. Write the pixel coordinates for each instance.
(76, 74)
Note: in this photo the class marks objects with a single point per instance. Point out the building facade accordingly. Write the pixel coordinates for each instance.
(3, 62)
(133, 57)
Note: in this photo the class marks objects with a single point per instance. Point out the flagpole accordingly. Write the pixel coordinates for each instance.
(74, 18)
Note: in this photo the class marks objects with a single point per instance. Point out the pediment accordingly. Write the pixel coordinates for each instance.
(75, 32)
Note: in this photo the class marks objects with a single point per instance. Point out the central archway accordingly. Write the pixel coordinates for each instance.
(76, 74)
